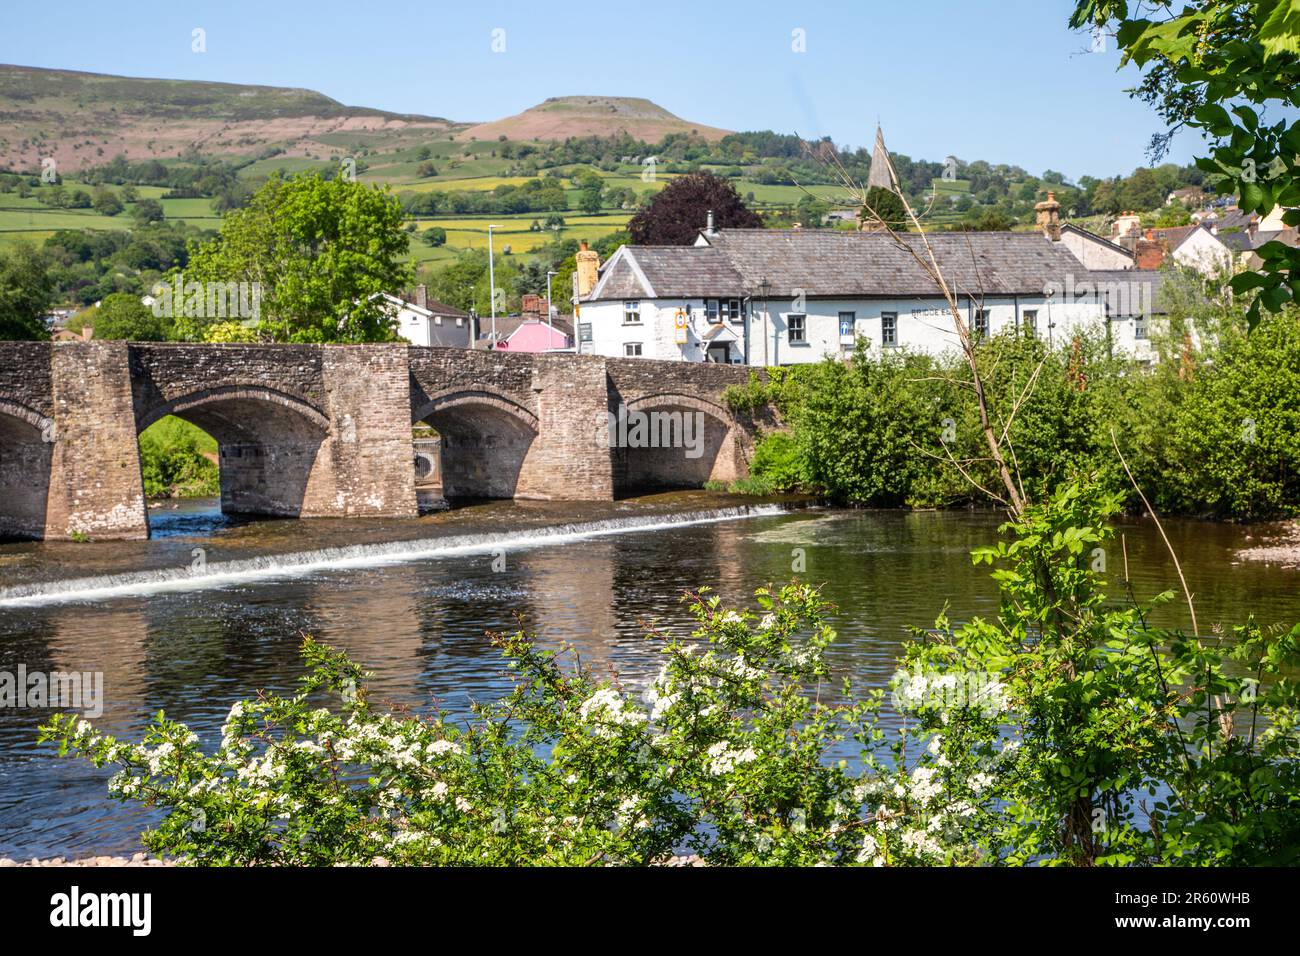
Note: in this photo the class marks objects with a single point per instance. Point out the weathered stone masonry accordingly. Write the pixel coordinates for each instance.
(325, 431)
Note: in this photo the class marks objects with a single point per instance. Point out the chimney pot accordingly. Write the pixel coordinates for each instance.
(1048, 217)
(588, 270)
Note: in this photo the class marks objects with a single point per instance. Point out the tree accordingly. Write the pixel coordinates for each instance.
(589, 201)
(321, 252)
(123, 316)
(106, 202)
(1200, 57)
(26, 292)
(1144, 191)
(676, 215)
(435, 236)
(883, 207)
(147, 211)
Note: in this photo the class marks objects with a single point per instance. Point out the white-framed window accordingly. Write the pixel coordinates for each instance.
(796, 325)
(730, 310)
(631, 312)
(632, 349)
(847, 322)
(459, 322)
(1139, 329)
(711, 311)
(981, 323)
(888, 329)
(437, 320)
(1029, 322)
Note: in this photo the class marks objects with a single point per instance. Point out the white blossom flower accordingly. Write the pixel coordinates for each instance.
(924, 785)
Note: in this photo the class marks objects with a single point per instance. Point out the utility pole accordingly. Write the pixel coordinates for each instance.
(550, 327)
(492, 283)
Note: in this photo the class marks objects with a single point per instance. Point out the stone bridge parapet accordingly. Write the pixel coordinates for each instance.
(326, 430)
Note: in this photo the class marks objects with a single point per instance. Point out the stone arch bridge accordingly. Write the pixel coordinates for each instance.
(326, 431)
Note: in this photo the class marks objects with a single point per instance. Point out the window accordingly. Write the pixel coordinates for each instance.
(1139, 330)
(847, 320)
(632, 349)
(795, 327)
(888, 329)
(632, 312)
(981, 323)
(1031, 323)
(724, 310)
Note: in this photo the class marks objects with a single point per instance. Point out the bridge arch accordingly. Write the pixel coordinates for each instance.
(268, 444)
(484, 440)
(26, 458)
(671, 440)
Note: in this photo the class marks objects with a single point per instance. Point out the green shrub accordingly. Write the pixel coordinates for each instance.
(777, 462)
(175, 462)
(1062, 729)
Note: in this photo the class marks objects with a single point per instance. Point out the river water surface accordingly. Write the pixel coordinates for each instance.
(210, 611)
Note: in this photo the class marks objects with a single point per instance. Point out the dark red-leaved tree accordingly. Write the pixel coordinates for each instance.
(676, 216)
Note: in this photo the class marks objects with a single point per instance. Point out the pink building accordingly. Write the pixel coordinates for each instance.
(534, 335)
(529, 332)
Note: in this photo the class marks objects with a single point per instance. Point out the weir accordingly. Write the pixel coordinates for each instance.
(268, 567)
(314, 431)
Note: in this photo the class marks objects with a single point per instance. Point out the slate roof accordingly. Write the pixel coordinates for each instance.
(1090, 235)
(434, 307)
(832, 263)
(1175, 235)
(508, 325)
(1128, 288)
(677, 272)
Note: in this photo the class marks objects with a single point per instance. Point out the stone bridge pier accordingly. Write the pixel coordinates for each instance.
(326, 431)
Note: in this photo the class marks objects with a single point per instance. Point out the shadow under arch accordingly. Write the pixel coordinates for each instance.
(670, 440)
(484, 440)
(268, 443)
(26, 457)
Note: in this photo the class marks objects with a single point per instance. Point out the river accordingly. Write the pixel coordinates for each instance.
(211, 610)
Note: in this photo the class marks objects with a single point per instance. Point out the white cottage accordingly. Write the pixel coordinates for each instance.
(792, 296)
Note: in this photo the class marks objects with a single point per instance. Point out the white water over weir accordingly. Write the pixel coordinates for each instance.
(267, 567)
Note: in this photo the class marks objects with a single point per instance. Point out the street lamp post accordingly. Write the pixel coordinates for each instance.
(550, 327)
(492, 283)
(764, 289)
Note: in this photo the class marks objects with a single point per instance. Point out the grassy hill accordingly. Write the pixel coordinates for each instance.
(84, 119)
(563, 116)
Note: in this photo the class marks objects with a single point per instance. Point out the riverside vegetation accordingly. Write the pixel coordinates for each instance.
(1062, 730)
(1211, 430)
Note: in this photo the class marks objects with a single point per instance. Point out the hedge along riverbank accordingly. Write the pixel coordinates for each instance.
(1212, 429)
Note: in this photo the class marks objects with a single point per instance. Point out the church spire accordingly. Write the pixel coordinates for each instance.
(880, 164)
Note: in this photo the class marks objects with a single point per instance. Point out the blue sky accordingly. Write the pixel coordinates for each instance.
(1004, 81)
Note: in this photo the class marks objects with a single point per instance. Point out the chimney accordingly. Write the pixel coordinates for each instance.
(1127, 224)
(1047, 216)
(531, 305)
(87, 332)
(588, 271)
(708, 226)
(422, 296)
(1148, 254)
